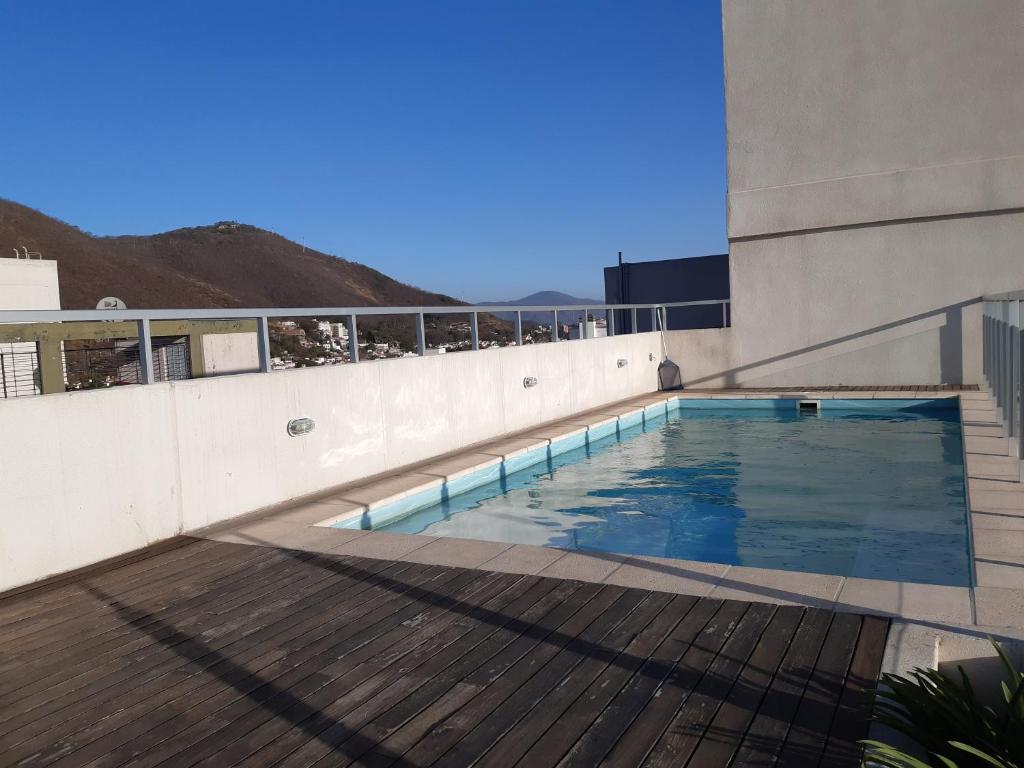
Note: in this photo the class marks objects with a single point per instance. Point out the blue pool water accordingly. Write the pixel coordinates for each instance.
(871, 493)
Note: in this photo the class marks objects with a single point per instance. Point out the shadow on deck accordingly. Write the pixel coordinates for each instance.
(201, 652)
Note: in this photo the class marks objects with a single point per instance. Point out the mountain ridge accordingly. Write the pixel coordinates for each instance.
(543, 298)
(221, 265)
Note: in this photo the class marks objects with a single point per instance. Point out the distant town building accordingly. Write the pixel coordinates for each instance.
(595, 329)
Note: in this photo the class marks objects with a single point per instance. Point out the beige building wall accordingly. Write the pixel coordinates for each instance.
(29, 284)
(24, 284)
(876, 189)
(225, 353)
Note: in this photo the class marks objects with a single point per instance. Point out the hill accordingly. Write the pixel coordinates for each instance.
(222, 265)
(545, 299)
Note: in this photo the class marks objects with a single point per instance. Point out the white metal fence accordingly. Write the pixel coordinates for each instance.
(1003, 353)
(143, 317)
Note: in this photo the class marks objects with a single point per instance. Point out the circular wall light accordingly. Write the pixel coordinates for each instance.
(302, 426)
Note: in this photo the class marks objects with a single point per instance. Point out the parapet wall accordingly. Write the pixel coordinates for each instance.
(90, 475)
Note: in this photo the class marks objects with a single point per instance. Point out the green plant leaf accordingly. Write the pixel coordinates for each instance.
(884, 754)
(1005, 658)
(997, 762)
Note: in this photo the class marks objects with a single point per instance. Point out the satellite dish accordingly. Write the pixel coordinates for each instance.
(111, 302)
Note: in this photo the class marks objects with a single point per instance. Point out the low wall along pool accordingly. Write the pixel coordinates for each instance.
(866, 488)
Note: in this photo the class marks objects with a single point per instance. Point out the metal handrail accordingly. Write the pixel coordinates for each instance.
(143, 318)
(69, 315)
(1003, 362)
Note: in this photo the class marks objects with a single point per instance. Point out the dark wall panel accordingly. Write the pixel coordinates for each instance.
(648, 282)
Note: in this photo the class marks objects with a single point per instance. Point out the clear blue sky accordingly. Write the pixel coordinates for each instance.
(485, 149)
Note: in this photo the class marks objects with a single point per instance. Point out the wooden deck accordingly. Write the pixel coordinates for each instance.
(205, 653)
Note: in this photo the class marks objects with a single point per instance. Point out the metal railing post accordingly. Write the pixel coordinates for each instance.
(585, 328)
(997, 361)
(633, 327)
(984, 342)
(554, 327)
(1014, 399)
(609, 321)
(519, 328)
(725, 315)
(474, 330)
(145, 353)
(353, 340)
(1006, 368)
(263, 343)
(654, 318)
(421, 335)
(1019, 343)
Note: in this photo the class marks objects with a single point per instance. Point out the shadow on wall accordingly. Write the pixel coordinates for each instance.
(951, 339)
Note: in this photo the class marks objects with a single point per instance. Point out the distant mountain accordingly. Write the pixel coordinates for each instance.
(545, 299)
(221, 265)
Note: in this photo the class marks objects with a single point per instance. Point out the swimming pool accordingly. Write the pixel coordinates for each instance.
(873, 489)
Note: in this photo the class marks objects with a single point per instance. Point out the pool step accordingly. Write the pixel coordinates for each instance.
(987, 446)
(984, 430)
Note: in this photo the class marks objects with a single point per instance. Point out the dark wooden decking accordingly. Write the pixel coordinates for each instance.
(204, 653)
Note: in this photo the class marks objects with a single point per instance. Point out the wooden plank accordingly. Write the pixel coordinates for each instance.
(37, 601)
(370, 744)
(726, 730)
(655, 717)
(136, 716)
(518, 695)
(183, 697)
(55, 645)
(231, 601)
(310, 714)
(850, 724)
(217, 654)
(533, 740)
(146, 689)
(76, 639)
(680, 739)
(810, 725)
(373, 687)
(49, 585)
(83, 669)
(188, 567)
(619, 715)
(286, 685)
(766, 735)
(481, 691)
(499, 652)
(227, 679)
(575, 720)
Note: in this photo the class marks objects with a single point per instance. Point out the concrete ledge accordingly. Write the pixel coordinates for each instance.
(957, 189)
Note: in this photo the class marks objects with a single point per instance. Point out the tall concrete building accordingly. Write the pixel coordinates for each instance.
(875, 189)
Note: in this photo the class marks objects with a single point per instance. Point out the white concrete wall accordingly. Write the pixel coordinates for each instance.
(876, 186)
(89, 475)
(29, 284)
(230, 353)
(25, 284)
(704, 356)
